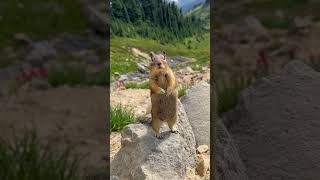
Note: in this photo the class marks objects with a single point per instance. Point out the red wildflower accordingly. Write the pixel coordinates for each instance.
(43, 71)
(19, 78)
(26, 75)
(262, 57)
(292, 53)
(36, 72)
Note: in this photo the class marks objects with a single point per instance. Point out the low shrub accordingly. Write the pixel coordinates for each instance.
(182, 90)
(120, 117)
(229, 91)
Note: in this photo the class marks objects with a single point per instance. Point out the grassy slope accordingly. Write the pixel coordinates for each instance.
(265, 11)
(39, 19)
(123, 61)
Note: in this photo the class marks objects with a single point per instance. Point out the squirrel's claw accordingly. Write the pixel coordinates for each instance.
(162, 91)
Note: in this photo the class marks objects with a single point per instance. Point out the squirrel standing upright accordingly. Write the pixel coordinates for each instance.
(164, 94)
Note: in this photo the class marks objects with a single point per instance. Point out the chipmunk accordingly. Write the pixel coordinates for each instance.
(164, 94)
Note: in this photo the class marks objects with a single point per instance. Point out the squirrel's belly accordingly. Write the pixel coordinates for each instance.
(165, 108)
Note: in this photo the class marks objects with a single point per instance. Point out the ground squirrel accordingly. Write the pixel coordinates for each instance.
(164, 94)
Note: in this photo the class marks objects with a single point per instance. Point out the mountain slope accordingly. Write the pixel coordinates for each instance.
(189, 6)
(203, 13)
(155, 19)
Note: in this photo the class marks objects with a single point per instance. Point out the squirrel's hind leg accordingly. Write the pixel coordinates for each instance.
(172, 123)
(156, 124)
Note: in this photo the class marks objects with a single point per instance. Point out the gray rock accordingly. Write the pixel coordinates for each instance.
(228, 164)
(7, 75)
(143, 156)
(36, 84)
(22, 37)
(74, 43)
(136, 76)
(302, 22)
(142, 68)
(179, 61)
(41, 51)
(89, 56)
(186, 71)
(276, 125)
(197, 105)
(123, 78)
(114, 178)
(234, 33)
(256, 27)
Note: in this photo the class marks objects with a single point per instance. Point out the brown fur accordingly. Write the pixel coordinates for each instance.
(164, 94)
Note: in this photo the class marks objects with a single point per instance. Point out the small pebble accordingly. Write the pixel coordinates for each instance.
(202, 149)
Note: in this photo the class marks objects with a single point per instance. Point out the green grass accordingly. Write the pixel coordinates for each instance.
(123, 61)
(290, 8)
(5, 62)
(275, 22)
(182, 90)
(120, 117)
(70, 75)
(8, 57)
(98, 78)
(135, 85)
(75, 75)
(228, 91)
(39, 19)
(25, 158)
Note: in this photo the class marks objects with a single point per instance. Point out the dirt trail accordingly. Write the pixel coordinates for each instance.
(73, 116)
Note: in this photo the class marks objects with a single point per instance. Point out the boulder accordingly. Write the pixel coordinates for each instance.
(143, 156)
(41, 51)
(89, 56)
(76, 44)
(36, 84)
(256, 27)
(142, 68)
(197, 105)
(179, 61)
(202, 149)
(228, 165)
(22, 37)
(302, 22)
(276, 125)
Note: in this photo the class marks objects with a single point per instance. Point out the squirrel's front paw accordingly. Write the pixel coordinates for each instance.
(162, 91)
(169, 91)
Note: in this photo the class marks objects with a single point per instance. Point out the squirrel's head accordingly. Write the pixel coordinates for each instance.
(158, 61)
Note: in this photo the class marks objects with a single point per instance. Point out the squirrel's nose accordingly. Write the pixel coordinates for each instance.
(159, 64)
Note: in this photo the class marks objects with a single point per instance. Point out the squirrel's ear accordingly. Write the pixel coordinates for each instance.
(151, 55)
(164, 55)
